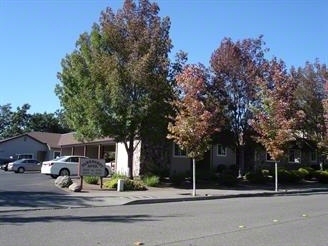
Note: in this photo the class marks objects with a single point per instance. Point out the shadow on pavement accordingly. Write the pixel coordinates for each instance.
(16, 219)
(40, 199)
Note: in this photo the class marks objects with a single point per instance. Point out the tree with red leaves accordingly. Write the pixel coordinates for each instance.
(197, 114)
(236, 65)
(323, 143)
(275, 119)
(311, 97)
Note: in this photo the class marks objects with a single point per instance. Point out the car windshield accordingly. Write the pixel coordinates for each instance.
(60, 158)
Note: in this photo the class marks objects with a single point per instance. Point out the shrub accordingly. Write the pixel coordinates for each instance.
(91, 179)
(129, 184)
(152, 168)
(303, 172)
(324, 167)
(111, 183)
(266, 172)
(321, 176)
(178, 178)
(288, 176)
(205, 175)
(227, 178)
(234, 169)
(221, 168)
(151, 181)
(297, 175)
(315, 167)
(257, 177)
(307, 172)
(118, 176)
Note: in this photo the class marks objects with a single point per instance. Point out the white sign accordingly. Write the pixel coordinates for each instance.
(92, 167)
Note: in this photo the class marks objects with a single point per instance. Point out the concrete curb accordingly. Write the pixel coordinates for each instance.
(154, 200)
(215, 197)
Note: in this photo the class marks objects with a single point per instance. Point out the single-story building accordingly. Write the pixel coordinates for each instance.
(46, 146)
(34, 145)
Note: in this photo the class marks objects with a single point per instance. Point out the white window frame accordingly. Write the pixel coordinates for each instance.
(178, 152)
(223, 150)
(294, 156)
(24, 155)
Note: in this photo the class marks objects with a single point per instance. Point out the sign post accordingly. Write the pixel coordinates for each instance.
(92, 167)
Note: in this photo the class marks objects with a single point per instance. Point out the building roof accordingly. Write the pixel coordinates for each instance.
(52, 139)
(57, 140)
(69, 139)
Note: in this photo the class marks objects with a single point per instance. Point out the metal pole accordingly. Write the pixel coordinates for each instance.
(276, 176)
(193, 177)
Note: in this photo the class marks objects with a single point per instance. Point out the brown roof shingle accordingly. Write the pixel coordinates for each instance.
(52, 139)
(57, 140)
(69, 139)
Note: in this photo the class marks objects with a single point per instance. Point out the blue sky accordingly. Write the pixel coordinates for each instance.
(37, 34)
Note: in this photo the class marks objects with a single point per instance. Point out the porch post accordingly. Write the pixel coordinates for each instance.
(85, 150)
(99, 151)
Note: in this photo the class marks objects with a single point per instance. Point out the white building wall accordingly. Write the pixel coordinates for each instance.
(122, 159)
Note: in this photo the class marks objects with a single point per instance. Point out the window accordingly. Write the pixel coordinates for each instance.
(178, 152)
(313, 156)
(56, 154)
(268, 157)
(257, 155)
(221, 150)
(73, 159)
(24, 156)
(294, 156)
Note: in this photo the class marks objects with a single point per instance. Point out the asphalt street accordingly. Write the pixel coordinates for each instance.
(298, 219)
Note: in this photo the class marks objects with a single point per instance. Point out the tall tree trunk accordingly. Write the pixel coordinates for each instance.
(241, 160)
(130, 151)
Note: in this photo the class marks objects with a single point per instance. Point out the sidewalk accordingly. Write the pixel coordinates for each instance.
(94, 196)
(103, 197)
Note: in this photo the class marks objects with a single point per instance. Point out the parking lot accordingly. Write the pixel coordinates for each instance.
(19, 191)
(26, 182)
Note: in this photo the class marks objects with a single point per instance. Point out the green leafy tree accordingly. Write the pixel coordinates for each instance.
(115, 82)
(13, 123)
(46, 122)
(275, 119)
(5, 120)
(155, 147)
(196, 114)
(236, 65)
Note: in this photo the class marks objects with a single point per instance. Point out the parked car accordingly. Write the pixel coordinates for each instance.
(65, 166)
(23, 165)
(62, 166)
(4, 163)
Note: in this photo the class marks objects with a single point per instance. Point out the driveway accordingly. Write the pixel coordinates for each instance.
(32, 190)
